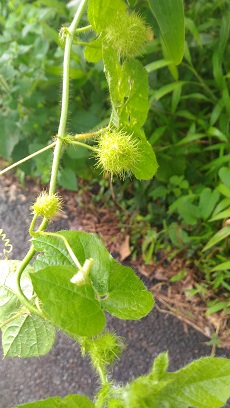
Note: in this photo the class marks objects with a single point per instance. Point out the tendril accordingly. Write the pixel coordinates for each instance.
(7, 245)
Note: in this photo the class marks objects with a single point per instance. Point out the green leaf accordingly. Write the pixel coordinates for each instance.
(102, 12)
(221, 206)
(71, 401)
(93, 51)
(67, 179)
(224, 174)
(160, 366)
(219, 236)
(201, 384)
(128, 86)
(147, 165)
(112, 69)
(222, 267)
(124, 290)
(10, 134)
(154, 66)
(208, 200)
(223, 189)
(213, 308)
(133, 95)
(25, 335)
(164, 90)
(221, 215)
(186, 209)
(72, 308)
(170, 18)
(191, 26)
(105, 274)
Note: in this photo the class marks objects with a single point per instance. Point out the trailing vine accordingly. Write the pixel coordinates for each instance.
(73, 281)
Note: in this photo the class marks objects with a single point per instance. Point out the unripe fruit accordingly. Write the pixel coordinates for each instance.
(104, 349)
(47, 206)
(127, 34)
(117, 153)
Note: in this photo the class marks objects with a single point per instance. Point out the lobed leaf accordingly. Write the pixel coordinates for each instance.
(72, 308)
(119, 291)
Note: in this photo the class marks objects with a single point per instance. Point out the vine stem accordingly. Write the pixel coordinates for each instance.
(69, 34)
(44, 149)
(94, 149)
(65, 95)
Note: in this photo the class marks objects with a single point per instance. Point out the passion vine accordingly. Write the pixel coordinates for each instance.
(68, 280)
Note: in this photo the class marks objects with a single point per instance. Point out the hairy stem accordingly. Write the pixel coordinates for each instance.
(90, 135)
(65, 95)
(44, 149)
(58, 148)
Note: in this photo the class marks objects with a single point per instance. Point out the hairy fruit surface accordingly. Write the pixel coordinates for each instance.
(117, 153)
(47, 206)
(127, 34)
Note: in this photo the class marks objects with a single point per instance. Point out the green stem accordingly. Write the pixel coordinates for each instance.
(65, 95)
(83, 29)
(94, 149)
(32, 225)
(19, 293)
(90, 135)
(44, 149)
(57, 151)
(68, 247)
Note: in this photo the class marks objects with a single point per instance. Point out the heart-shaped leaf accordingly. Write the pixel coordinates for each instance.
(23, 334)
(118, 289)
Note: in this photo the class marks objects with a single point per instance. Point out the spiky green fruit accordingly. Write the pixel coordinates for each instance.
(117, 153)
(105, 349)
(47, 205)
(127, 34)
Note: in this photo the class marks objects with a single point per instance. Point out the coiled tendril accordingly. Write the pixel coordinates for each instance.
(7, 245)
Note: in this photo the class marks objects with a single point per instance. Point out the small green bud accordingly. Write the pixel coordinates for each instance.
(127, 34)
(82, 276)
(47, 205)
(117, 153)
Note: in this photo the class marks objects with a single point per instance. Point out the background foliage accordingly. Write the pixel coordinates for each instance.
(187, 204)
